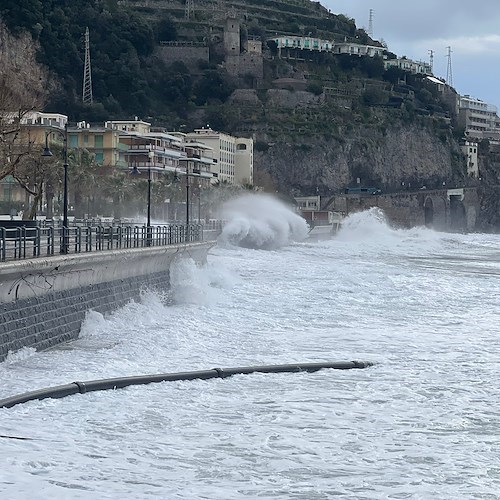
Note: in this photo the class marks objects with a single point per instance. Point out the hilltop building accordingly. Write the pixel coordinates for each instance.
(479, 118)
(305, 43)
(415, 67)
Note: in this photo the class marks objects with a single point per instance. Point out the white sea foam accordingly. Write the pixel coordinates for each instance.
(422, 305)
(260, 221)
(20, 355)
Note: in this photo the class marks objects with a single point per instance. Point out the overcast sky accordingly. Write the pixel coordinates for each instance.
(412, 29)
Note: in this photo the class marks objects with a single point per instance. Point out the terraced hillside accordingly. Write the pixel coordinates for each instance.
(266, 17)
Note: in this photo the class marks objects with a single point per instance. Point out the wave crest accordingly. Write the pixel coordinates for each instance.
(260, 221)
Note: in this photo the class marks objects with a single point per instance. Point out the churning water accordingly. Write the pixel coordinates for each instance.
(423, 423)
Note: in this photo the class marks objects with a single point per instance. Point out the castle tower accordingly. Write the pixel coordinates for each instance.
(232, 36)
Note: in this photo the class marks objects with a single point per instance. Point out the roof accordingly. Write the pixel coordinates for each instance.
(199, 145)
(435, 80)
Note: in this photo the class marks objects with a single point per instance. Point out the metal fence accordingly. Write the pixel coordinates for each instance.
(28, 242)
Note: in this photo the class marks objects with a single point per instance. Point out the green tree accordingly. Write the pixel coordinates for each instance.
(212, 85)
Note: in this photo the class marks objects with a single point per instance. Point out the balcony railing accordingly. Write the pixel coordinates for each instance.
(31, 242)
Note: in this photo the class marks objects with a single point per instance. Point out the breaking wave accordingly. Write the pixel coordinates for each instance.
(260, 221)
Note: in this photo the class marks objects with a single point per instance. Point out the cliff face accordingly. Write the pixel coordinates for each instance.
(308, 145)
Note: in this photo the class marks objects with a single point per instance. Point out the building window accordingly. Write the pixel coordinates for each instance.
(99, 157)
(73, 141)
(98, 141)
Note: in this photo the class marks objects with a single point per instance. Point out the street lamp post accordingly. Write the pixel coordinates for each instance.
(199, 203)
(187, 198)
(48, 152)
(151, 155)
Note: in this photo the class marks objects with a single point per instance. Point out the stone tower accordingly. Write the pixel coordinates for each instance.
(232, 36)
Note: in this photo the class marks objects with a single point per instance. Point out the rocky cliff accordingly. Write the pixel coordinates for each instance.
(309, 144)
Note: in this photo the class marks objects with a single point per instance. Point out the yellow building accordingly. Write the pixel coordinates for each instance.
(101, 142)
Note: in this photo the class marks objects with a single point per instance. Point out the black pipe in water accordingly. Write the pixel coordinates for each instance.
(62, 391)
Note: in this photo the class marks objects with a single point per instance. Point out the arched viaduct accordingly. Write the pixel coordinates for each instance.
(442, 209)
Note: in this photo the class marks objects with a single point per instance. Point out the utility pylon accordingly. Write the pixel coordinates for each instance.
(189, 9)
(449, 74)
(87, 72)
(370, 24)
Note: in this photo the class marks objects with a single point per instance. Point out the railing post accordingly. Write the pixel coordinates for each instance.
(50, 241)
(37, 242)
(78, 240)
(2, 244)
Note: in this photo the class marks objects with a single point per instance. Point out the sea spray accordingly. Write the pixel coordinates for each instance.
(368, 230)
(260, 221)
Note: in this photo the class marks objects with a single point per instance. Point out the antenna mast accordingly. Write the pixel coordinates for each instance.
(449, 75)
(370, 24)
(189, 9)
(431, 57)
(87, 73)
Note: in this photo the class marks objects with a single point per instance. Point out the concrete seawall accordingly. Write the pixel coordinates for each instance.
(43, 301)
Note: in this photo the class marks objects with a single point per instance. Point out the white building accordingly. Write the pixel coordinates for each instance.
(303, 42)
(415, 67)
(55, 120)
(479, 118)
(243, 161)
(469, 149)
(137, 126)
(228, 165)
(319, 45)
(357, 49)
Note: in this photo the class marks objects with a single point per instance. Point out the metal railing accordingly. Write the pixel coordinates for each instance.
(29, 242)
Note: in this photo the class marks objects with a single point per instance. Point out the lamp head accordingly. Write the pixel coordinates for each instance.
(135, 171)
(47, 151)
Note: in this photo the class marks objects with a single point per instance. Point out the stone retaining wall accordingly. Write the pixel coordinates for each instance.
(43, 302)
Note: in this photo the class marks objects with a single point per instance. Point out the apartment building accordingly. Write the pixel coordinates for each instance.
(100, 141)
(415, 67)
(479, 118)
(232, 156)
(319, 45)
